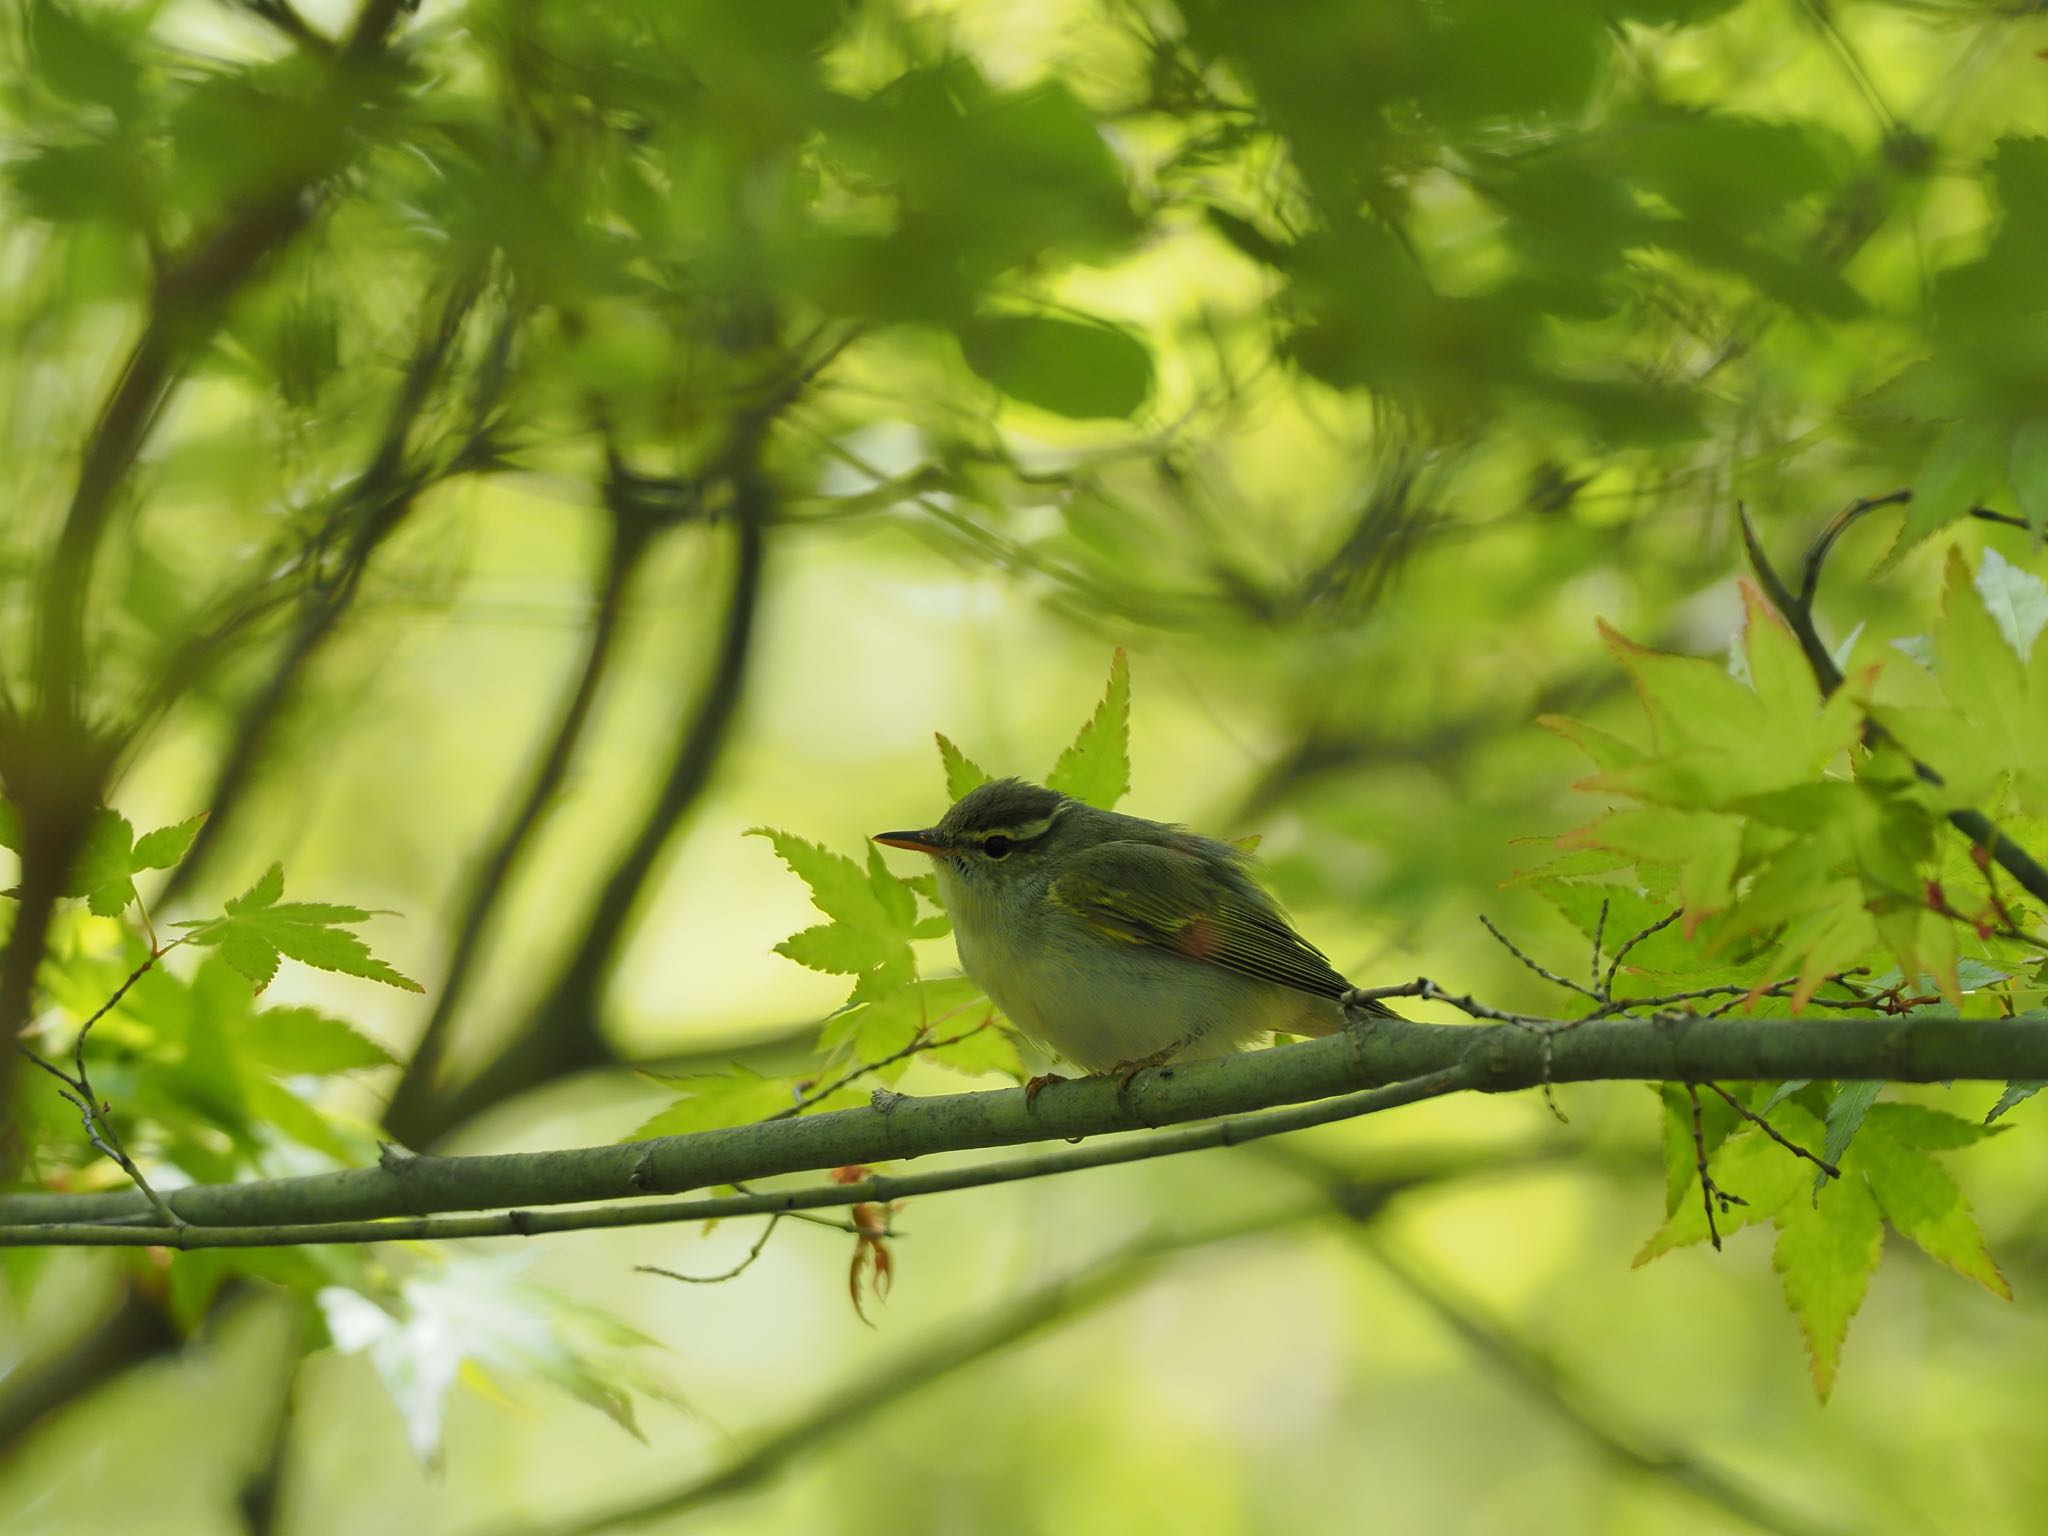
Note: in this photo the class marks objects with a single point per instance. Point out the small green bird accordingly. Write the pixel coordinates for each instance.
(1118, 942)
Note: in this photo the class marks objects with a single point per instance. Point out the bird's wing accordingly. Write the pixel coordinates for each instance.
(1179, 901)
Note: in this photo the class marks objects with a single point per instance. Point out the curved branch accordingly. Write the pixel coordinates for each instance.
(409, 1115)
(954, 1350)
(562, 1036)
(374, 507)
(1604, 1430)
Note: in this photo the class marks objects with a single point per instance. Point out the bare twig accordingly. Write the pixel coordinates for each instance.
(77, 1090)
(734, 1273)
(1709, 1190)
(1773, 1132)
(1599, 936)
(921, 1043)
(1614, 966)
(631, 535)
(1548, 975)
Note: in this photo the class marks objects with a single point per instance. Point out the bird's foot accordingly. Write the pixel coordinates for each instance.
(1038, 1085)
(1124, 1071)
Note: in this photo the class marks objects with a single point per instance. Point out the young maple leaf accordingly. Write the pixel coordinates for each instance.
(257, 928)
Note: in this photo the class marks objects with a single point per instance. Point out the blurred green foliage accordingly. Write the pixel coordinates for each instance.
(495, 453)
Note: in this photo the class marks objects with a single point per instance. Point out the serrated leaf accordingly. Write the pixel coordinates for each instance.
(962, 772)
(1847, 1111)
(990, 1049)
(840, 888)
(873, 1030)
(262, 893)
(256, 930)
(164, 847)
(838, 948)
(1964, 465)
(1825, 1253)
(714, 1100)
(2017, 1092)
(248, 952)
(104, 866)
(1096, 768)
(1932, 1130)
(1918, 1196)
(2026, 464)
(1776, 666)
(1749, 1165)
(893, 895)
(2016, 600)
(886, 979)
(304, 1041)
(1606, 750)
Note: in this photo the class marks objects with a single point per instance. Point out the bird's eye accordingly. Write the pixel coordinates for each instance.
(996, 847)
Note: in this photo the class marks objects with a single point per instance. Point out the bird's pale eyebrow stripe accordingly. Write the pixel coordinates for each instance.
(1023, 831)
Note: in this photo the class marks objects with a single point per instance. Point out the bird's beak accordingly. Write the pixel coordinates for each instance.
(927, 841)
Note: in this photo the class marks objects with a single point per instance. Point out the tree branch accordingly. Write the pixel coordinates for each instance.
(881, 1189)
(562, 1036)
(1606, 1432)
(956, 1349)
(1797, 612)
(54, 767)
(410, 1116)
(377, 504)
(1333, 1078)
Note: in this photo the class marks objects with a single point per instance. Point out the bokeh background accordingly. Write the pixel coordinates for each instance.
(1341, 363)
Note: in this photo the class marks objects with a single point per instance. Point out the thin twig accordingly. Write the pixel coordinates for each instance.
(96, 1112)
(1599, 934)
(1548, 975)
(1772, 1131)
(734, 1273)
(921, 1043)
(1614, 966)
(1709, 1190)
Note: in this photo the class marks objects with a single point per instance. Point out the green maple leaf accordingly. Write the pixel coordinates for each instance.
(1096, 768)
(166, 846)
(713, 1100)
(1826, 1251)
(962, 772)
(258, 928)
(873, 916)
(110, 855)
(1830, 1238)
(105, 868)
